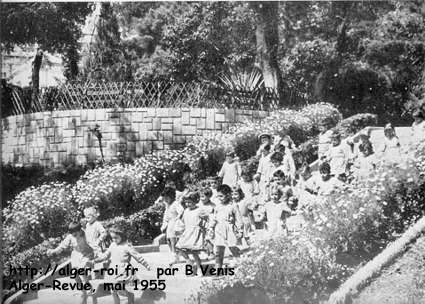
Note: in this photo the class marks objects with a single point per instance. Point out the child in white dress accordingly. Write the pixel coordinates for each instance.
(119, 254)
(391, 151)
(418, 126)
(248, 184)
(226, 224)
(365, 163)
(263, 169)
(230, 171)
(214, 183)
(173, 210)
(325, 138)
(206, 203)
(245, 208)
(81, 256)
(276, 211)
(323, 184)
(265, 140)
(338, 156)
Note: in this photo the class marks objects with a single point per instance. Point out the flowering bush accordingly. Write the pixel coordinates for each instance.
(366, 215)
(289, 269)
(35, 257)
(38, 213)
(16, 179)
(123, 189)
(243, 138)
(141, 227)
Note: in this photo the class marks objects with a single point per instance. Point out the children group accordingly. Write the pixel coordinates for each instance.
(228, 210)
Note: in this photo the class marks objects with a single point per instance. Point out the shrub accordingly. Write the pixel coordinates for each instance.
(370, 213)
(122, 189)
(35, 257)
(289, 269)
(38, 213)
(356, 123)
(243, 138)
(141, 227)
(17, 179)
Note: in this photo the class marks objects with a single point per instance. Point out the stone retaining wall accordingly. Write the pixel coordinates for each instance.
(61, 137)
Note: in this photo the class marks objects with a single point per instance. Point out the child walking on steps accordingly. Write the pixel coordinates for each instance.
(120, 253)
(81, 254)
(192, 239)
(95, 234)
(245, 209)
(227, 225)
(205, 203)
(173, 209)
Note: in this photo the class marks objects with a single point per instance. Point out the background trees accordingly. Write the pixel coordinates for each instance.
(54, 27)
(358, 55)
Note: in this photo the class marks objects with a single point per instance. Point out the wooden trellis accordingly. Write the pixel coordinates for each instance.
(158, 94)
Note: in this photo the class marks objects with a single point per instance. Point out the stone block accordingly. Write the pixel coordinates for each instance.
(162, 112)
(131, 146)
(177, 127)
(179, 139)
(200, 123)
(167, 137)
(91, 115)
(195, 112)
(229, 115)
(139, 148)
(188, 130)
(156, 124)
(151, 112)
(175, 112)
(185, 118)
(166, 126)
(219, 117)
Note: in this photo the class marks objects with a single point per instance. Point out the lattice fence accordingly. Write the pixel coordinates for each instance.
(159, 94)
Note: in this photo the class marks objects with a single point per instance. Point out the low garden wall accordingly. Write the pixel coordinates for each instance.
(60, 137)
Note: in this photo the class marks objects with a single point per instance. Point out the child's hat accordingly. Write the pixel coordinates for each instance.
(264, 135)
(388, 126)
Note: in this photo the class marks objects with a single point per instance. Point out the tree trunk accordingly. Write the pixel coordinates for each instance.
(35, 77)
(267, 38)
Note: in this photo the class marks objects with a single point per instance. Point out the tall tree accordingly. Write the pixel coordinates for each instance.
(53, 27)
(267, 38)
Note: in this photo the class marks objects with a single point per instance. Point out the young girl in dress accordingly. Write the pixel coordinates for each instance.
(173, 210)
(338, 156)
(418, 126)
(323, 184)
(276, 211)
(205, 203)
(226, 224)
(119, 254)
(214, 183)
(265, 140)
(230, 171)
(391, 150)
(81, 256)
(325, 138)
(247, 184)
(264, 165)
(192, 239)
(245, 208)
(365, 163)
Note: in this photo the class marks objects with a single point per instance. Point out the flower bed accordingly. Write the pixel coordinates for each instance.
(304, 267)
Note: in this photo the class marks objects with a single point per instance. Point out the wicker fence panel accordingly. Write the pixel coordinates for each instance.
(158, 94)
